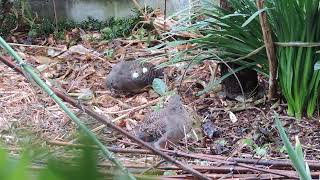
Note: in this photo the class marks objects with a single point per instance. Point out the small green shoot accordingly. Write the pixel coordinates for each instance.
(295, 154)
(261, 151)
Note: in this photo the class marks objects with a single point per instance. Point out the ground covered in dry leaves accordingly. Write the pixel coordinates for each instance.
(224, 128)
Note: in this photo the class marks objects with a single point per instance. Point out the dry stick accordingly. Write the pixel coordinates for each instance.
(115, 150)
(222, 161)
(108, 122)
(195, 156)
(36, 46)
(270, 51)
(220, 170)
(60, 49)
(153, 167)
(213, 158)
(134, 108)
(109, 173)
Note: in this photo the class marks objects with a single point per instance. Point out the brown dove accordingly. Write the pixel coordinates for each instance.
(132, 76)
(170, 123)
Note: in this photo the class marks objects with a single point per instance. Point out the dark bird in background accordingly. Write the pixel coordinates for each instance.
(132, 76)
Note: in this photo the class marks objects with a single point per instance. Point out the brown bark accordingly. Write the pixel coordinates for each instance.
(270, 51)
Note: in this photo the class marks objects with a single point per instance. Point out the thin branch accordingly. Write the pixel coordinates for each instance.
(108, 122)
(32, 76)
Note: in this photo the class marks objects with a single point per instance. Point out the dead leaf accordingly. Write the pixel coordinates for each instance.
(141, 99)
(86, 94)
(43, 59)
(42, 67)
(210, 129)
(122, 123)
(275, 105)
(53, 52)
(233, 117)
(112, 109)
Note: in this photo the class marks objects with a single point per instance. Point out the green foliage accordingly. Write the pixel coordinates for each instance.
(108, 53)
(10, 23)
(235, 36)
(119, 27)
(259, 150)
(291, 21)
(295, 154)
(227, 32)
(11, 169)
(228, 36)
(81, 167)
(159, 86)
(111, 28)
(297, 21)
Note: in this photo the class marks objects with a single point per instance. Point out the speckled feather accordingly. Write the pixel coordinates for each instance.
(170, 123)
(122, 77)
(153, 126)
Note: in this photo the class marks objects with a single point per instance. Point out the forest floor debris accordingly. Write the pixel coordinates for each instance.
(28, 115)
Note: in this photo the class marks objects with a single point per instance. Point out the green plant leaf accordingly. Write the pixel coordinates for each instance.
(159, 86)
(316, 66)
(169, 173)
(261, 151)
(20, 171)
(248, 142)
(295, 155)
(253, 16)
(213, 83)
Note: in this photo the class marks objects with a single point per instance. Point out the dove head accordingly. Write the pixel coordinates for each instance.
(175, 101)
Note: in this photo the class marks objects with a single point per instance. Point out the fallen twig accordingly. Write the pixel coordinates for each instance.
(134, 108)
(37, 46)
(232, 163)
(107, 121)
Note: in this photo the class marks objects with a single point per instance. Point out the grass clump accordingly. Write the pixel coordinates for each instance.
(297, 21)
(82, 166)
(234, 36)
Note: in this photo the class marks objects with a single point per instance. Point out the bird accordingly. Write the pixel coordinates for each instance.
(169, 124)
(132, 76)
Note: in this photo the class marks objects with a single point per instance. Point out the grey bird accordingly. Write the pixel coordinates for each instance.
(132, 76)
(169, 124)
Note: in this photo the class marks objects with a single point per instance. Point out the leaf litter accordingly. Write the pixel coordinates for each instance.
(80, 72)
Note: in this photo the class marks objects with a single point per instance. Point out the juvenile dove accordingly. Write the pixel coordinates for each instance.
(132, 76)
(168, 124)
